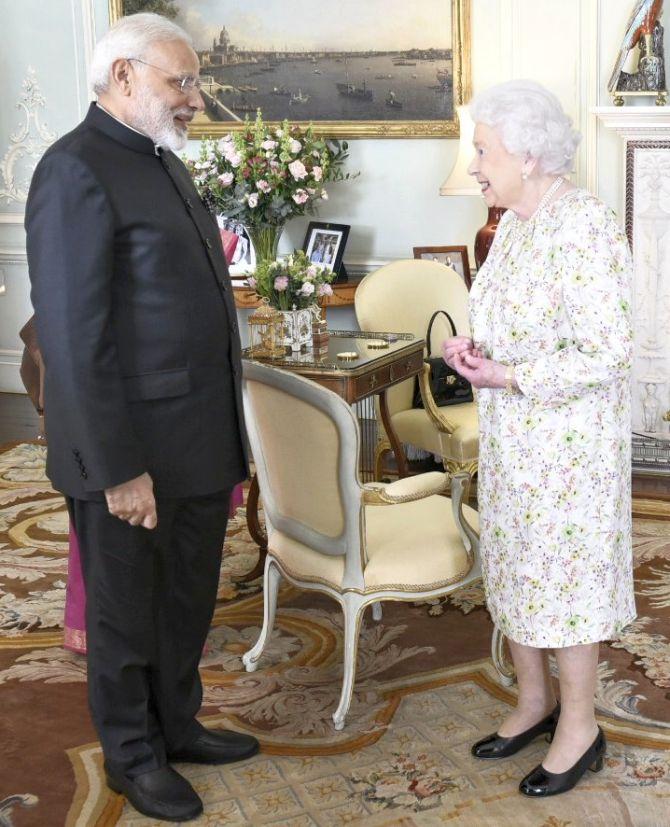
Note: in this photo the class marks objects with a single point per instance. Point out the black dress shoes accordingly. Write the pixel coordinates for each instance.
(217, 747)
(497, 746)
(541, 782)
(161, 793)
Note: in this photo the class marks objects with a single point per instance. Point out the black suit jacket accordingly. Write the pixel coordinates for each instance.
(135, 318)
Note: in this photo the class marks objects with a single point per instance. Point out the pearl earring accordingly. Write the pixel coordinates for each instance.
(524, 176)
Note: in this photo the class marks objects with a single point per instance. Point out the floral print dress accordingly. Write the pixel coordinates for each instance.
(553, 299)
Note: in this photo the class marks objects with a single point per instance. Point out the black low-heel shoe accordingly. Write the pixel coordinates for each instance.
(541, 782)
(497, 746)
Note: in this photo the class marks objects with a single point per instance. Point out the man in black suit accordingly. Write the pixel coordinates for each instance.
(137, 325)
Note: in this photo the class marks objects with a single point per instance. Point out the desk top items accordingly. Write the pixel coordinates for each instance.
(324, 244)
(645, 31)
(263, 175)
(320, 334)
(266, 333)
(293, 285)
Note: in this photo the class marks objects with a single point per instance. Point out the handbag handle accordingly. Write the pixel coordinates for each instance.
(430, 326)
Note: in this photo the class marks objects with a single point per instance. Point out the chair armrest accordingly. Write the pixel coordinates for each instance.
(406, 490)
(460, 486)
(435, 414)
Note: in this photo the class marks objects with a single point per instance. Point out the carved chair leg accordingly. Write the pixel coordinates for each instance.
(503, 666)
(270, 588)
(352, 606)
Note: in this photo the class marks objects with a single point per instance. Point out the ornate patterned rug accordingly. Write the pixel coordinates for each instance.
(425, 691)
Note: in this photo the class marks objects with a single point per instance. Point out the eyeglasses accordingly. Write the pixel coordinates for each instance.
(185, 85)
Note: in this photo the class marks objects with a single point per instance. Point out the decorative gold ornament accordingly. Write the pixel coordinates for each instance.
(266, 331)
(377, 344)
(348, 355)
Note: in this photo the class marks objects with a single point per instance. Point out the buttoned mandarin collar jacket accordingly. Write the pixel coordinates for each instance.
(135, 317)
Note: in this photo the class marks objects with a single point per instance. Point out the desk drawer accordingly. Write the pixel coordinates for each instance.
(373, 382)
(408, 367)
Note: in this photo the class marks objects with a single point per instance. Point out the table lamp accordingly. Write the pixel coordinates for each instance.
(460, 183)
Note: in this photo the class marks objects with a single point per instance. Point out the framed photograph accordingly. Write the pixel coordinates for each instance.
(243, 257)
(324, 244)
(376, 68)
(456, 257)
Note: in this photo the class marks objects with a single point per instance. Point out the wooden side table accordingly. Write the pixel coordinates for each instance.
(373, 372)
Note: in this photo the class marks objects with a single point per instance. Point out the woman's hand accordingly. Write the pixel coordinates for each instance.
(478, 370)
(454, 345)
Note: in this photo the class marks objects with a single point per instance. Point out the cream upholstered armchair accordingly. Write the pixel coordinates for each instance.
(401, 297)
(360, 544)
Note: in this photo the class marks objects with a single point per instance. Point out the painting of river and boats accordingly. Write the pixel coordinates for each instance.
(365, 68)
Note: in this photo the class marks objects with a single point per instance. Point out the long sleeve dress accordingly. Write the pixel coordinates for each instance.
(553, 299)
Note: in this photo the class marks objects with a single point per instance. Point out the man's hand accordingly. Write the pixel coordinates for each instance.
(134, 501)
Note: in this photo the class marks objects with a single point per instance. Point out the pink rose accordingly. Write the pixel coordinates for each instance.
(226, 179)
(307, 289)
(281, 283)
(294, 146)
(297, 170)
(300, 196)
(234, 159)
(253, 200)
(317, 172)
(311, 272)
(268, 144)
(324, 290)
(263, 186)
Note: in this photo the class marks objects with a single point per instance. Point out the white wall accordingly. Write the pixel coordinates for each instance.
(570, 45)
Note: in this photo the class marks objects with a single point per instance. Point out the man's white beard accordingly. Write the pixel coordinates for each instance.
(154, 117)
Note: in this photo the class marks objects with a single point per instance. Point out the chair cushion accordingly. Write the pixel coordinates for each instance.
(411, 547)
(416, 428)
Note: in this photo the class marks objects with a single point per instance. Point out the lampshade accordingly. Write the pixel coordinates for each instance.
(459, 182)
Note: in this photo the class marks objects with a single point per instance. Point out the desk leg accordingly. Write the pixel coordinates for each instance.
(257, 534)
(396, 445)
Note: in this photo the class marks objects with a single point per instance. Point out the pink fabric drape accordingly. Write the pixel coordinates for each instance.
(75, 601)
(74, 637)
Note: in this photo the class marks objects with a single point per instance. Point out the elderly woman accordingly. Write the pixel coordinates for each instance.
(551, 354)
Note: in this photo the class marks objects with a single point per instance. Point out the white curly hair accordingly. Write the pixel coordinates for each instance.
(130, 37)
(530, 121)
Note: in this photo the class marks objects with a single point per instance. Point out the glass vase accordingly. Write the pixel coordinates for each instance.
(265, 238)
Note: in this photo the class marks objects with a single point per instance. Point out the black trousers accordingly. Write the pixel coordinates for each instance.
(150, 597)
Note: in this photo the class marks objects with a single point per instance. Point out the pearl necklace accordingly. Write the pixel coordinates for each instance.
(546, 198)
(544, 201)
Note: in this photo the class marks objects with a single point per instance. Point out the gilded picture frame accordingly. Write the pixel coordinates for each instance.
(416, 98)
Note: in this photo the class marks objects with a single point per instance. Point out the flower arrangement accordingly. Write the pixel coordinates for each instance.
(290, 281)
(264, 175)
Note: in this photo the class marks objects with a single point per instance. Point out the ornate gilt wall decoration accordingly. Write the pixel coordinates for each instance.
(27, 144)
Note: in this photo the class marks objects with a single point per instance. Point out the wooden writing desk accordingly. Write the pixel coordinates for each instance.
(372, 373)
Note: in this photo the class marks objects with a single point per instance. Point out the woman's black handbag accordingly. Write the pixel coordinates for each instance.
(447, 386)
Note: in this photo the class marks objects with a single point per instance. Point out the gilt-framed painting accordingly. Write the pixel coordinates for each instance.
(368, 68)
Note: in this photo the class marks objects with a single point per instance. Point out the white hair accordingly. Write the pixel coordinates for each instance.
(530, 121)
(130, 37)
